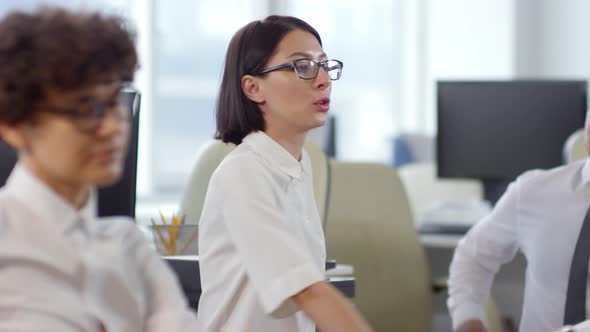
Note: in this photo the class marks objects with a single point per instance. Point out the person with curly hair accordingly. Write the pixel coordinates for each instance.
(61, 267)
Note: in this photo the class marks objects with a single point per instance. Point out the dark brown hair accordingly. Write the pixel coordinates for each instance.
(61, 49)
(248, 52)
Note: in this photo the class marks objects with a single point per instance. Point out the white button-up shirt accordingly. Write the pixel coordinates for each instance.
(260, 240)
(541, 215)
(63, 269)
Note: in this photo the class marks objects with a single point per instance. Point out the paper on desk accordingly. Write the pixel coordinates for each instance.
(459, 213)
(183, 257)
(341, 270)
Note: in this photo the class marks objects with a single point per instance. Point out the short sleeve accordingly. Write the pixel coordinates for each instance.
(277, 260)
(583, 326)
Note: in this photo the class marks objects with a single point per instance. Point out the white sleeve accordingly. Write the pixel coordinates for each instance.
(583, 326)
(490, 243)
(167, 308)
(276, 259)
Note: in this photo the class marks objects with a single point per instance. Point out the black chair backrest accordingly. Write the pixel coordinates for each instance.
(119, 199)
(7, 160)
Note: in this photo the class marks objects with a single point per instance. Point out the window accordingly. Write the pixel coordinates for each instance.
(364, 35)
(182, 45)
(191, 40)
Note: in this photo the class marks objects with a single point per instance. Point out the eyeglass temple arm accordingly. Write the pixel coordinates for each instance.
(268, 70)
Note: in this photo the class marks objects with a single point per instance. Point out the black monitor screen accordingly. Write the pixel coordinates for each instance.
(496, 130)
(118, 199)
(325, 137)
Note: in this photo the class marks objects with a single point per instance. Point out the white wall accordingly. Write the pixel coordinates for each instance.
(553, 38)
(468, 39)
(461, 39)
(486, 39)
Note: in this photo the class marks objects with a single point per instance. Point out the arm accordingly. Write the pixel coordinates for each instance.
(491, 243)
(329, 309)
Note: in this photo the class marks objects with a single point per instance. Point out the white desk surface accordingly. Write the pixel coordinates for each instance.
(183, 257)
(443, 241)
(341, 270)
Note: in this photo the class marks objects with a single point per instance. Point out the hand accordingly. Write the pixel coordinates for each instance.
(473, 325)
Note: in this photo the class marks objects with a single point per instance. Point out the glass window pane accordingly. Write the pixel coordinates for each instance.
(365, 36)
(192, 37)
(119, 6)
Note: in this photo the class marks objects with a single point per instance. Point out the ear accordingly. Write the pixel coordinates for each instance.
(13, 135)
(252, 90)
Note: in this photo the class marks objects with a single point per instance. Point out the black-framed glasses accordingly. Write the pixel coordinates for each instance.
(88, 116)
(307, 69)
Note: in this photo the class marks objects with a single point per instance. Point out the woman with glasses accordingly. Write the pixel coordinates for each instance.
(61, 267)
(261, 246)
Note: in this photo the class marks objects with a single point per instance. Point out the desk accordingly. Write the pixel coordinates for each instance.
(188, 273)
(441, 240)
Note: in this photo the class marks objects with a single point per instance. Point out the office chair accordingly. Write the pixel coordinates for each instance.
(210, 157)
(370, 226)
(575, 147)
(321, 178)
(193, 198)
(7, 161)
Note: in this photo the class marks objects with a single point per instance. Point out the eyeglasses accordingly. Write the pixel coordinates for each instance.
(307, 69)
(89, 115)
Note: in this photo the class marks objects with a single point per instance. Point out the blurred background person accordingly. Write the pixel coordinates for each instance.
(62, 268)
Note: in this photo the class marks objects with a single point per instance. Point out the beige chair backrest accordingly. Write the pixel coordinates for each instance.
(319, 164)
(370, 226)
(211, 156)
(575, 147)
(424, 187)
(493, 317)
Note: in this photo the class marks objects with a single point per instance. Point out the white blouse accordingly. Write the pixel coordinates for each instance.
(63, 269)
(260, 240)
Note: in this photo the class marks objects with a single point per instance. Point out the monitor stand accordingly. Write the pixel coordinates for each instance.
(494, 189)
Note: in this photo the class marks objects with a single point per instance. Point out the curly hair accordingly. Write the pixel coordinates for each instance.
(59, 49)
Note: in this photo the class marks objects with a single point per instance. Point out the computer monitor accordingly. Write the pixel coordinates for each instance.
(118, 199)
(325, 137)
(496, 130)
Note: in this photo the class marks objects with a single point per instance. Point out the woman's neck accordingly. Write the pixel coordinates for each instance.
(292, 142)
